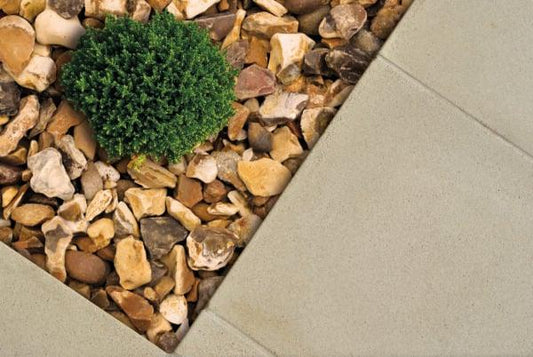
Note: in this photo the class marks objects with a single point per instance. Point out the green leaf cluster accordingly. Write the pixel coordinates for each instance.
(157, 89)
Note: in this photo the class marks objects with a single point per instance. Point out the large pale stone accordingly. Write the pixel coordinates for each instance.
(281, 107)
(57, 238)
(182, 214)
(210, 248)
(146, 202)
(131, 264)
(52, 29)
(98, 204)
(193, 8)
(17, 40)
(266, 25)
(174, 308)
(264, 177)
(148, 174)
(287, 54)
(203, 167)
(49, 177)
(176, 262)
(285, 145)
(39, 74)
(25, 120)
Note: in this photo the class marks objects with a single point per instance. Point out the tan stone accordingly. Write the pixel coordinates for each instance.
(237, 121)
(17, 40)
(141, 11)
(258, 51)
(31, 8)
(101, 232)
(148, 174)
(193, 8)
(146, 202)
(17, 157)
(164, 286)
(174, 308)
(52, 29)
(98, 204)
(314, 122)
(32, 214)
(159, 5)
(74, 209)
(182, 214)
(38, 75)
(235, 33)
(138, 309)
(272, 6)
(131, 263)
(176, 262)
(125, 222)
(285, 145)
(264, 177)
(265, 24)
(222, 209)
(287, 55)
(84, 139)
(100, 8)
(57, 238)
(8, 193)
(158, 325)
(15, 201)
(26, 119)
(64, 118)
(245, 228)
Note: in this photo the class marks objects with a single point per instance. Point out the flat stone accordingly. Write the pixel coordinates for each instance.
(74, 209)
(73, 159)
(259, 138)
(285, 145)
(57, 238)
(52, 29)
(182, 214)
(222, 209)
(189, 191)
(160, 234)
(146, 202)
(100, 8)
(9, 174)
(218, 25)
(64, 118)
(304, 6)
(66, 8)
(210, 248)
(17, 40)
(49, 177)
(349, 19)
(245, 228)
(32, 214)
(227, 167)
(255, 81)
(266, 25)
(38, 75)
(236, 53)
(258, 51)
(148, 174)
(131, 264)
(85, 267)
(314, 122)
(202, 167)
(348, 62)
(125, 222)
(9, 95)
(27, 117)
(138, 309)
(264, 177)
(91, 181)
(84, 139)
(281, 107)
(174, 308)
(287, 54)
(101, 200)
(272, 6)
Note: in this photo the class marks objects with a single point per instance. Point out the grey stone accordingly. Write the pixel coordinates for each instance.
(66, 8)
(218, 25)
(9, 95)
(160, 234)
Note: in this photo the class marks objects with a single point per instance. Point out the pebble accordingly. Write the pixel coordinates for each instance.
(264, 24)
(218, 25)
(348, 62)
(168, 341)
(193, 8)
(66, 8)
(314, 122)
(176, 262)
(206, 289)
(388, 16)
(38, 75)
(287, 54)
(235, 34)
(9, 95)
(182, 214)
(215, 192)
(349, 19)
(85, 267)
(101, 232)
(57, 238)
(27, 117)
(222, 209)
(337, 93)
(244, 228)
(84, 139)
(91, 181)
(73, 159)
(315, 62)
(255, 81)
(138, 309)
(148, 174)
(64, 118)
(160, 234)
(131, 264)
(32, 214)
(31, 8)
(272, 6)
(202, 167)
(310, 22)
(159, 5)
(259, 138)
(17, 40)
(98, 204)
(146, 202)
(304, 6)
(49, 176)
(107, 172)
(264, 177)
(236, 198)
(174, 308)
(100, 8)
(46, 111)
(140, 11)
(74, 209)
(189, 191)
(236, 53)
(227, 168)
(125, 222)
(158, 325)
(281, 107)
(237, 121)
(210, 248)
(285, 145)
(52, 29)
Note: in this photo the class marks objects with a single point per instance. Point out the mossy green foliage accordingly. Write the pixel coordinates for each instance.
(157, 89)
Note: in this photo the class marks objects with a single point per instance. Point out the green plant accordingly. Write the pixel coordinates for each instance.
(157, 89)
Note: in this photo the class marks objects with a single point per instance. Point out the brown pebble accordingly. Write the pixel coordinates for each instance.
(189, 191)
(85, 267)
(215, 192)
(168, 342)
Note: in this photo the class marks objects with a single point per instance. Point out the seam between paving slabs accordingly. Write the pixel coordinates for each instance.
(467, 113)
(237, 331)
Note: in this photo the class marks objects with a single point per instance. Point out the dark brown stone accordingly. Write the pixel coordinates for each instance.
(255, 81)
(168, 341)
(9, 95)
(9, 174)
(348, 62)
(259, 138)
(315, 62)
(189, 191)
(85, 267)
(215, 192)
(218, 25)
(160, 234)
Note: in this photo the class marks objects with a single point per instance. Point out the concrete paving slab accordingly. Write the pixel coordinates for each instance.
(478, 54)
(407, 231)
(214, 337)
(42, 317)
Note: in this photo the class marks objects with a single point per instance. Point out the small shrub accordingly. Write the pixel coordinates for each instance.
(157, 89)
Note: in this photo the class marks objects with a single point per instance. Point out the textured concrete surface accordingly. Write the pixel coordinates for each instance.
(406, 232)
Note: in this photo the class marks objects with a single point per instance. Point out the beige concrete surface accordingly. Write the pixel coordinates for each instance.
(476, 53)
(406, 232)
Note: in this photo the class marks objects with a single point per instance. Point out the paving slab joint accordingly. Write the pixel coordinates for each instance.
(528, 156)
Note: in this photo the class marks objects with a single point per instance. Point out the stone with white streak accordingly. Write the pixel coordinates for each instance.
(73, 159)
(174, 308)
(98, 204)
(52, 29)
(148, 174)
(146, 202)
(49, 176)
(210, 248)
(264, 24)
(281, 107)
(203, 167)
(107, 172)
(25, 120)
(287, 54)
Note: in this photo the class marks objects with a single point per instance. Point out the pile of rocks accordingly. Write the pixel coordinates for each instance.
(149, 241)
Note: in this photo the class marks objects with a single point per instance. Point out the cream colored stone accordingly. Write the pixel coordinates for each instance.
(39, 74)
(174, 308)
(146, 202)
(176, 262)
(264, 177)
(264, 24)
(98, 204)
(193, 8)
(49, 177)
(285, 145)
(125, 222)
(272, 6)
(314, 122)
(240, 201)
(131, 264)
(107, 172)
(182, 214)
(287, 55)
(100, 8)
(222, 209)
(75, 161)
(203, 167)
(148, 174)
(52, 29)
